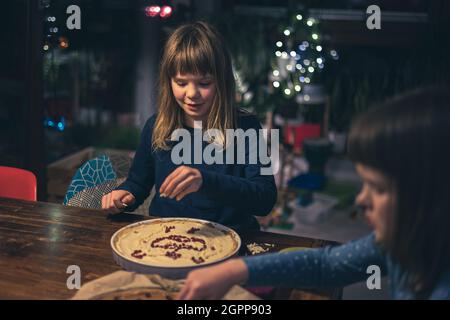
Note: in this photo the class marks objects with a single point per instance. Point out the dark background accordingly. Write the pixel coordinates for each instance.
(101, 88)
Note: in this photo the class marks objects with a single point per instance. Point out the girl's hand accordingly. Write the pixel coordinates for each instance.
(182, 181)
(212, 283)
(116, 201)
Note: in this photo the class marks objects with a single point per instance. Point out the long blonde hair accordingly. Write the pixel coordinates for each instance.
(195, 48)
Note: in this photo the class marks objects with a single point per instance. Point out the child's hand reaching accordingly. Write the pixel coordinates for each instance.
(182, 181)
(116, 201)
(212, 283)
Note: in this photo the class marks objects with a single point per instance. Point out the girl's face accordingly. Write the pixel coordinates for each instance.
(377, 197)
(195, 95)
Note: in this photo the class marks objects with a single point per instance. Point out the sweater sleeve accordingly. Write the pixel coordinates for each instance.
(317, 268)
(254, 192)
(141, 176)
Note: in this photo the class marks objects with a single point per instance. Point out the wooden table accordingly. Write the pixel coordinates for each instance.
(38, 241)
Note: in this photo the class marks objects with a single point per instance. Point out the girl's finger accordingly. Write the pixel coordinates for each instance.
(118, 204)
(168, 179)
(111, 206)
(190, 295)
(184, 291)
(128, 199)
(117, 200)
(105, 202)
(175, 182)
(186, 191)
(108, 201)
(183, 185)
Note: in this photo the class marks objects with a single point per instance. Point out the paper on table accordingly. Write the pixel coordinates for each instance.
(123, 280)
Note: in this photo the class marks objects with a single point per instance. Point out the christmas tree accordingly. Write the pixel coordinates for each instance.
(299, 56)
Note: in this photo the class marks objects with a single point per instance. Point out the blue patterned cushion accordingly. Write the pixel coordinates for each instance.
(92, 173)
(91, 197)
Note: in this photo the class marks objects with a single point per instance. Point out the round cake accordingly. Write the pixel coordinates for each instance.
(175, 242)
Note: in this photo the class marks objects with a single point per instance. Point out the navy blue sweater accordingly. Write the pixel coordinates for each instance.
(231, 194)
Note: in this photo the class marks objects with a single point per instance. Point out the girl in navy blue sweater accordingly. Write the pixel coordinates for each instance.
(196, 85)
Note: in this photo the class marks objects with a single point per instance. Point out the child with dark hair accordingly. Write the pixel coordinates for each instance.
(401, 151)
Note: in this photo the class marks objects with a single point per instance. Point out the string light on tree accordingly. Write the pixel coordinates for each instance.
(300, 55)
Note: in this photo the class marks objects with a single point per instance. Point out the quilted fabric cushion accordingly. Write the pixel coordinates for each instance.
(91, 197)
(98, 177)
(94, 172)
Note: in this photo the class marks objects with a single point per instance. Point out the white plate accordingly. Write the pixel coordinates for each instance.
(168, 272)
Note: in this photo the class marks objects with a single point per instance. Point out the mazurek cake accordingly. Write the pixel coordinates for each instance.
(176, 242)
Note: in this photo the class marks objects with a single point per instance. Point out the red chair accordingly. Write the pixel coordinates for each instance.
(17, 183)
(295, 134)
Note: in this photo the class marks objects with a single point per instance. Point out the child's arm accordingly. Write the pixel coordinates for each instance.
(315, 268)
(141, 176)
